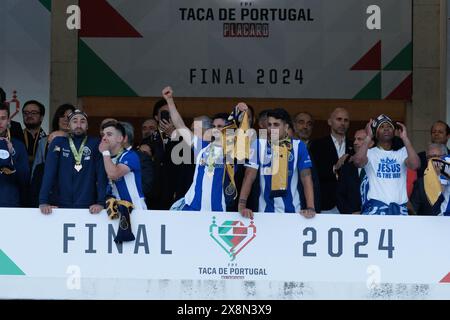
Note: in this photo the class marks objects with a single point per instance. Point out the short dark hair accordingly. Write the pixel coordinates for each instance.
(59, 113)
(129, 131)
(117, 125)
(263, 113)
(4, 106)
(447, 128)
(40, 105)
(221, 115)
(280, 114)
(158, 105)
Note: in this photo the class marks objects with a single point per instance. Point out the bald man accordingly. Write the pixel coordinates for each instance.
(328, 154)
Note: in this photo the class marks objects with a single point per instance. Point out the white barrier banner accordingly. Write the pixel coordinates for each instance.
(218, 246)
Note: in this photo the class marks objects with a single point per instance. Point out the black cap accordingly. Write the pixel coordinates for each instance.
(76, 112)
(382, 118)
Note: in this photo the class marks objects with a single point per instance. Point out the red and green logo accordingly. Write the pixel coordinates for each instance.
(232, 236)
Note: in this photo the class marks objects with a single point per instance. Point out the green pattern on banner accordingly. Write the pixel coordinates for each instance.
(372, 90)
(96, 78)
(228, 240)
(47, 4)
(403, 60)
(8, 267)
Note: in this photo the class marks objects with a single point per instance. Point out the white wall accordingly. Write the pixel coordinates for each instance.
(25, 52)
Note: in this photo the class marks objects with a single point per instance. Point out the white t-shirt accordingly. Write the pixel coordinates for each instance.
(386, 171)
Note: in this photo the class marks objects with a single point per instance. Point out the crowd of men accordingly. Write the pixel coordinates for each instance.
(220, 164)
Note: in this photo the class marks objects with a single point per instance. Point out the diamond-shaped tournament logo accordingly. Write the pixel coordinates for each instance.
(232, 236)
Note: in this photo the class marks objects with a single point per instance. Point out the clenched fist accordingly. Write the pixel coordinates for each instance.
(167, 93)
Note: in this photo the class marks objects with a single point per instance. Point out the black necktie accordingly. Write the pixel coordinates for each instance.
(362, 174)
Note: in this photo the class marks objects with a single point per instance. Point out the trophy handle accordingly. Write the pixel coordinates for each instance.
(16, 101)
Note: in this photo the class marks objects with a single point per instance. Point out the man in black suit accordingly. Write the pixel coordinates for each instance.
(440, 133)
(303, 126)
(165, 179)
(328, 154)
(348, 194)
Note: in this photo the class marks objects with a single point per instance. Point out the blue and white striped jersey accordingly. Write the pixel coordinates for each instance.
(261, 158)
(129, 187)
(206, 191)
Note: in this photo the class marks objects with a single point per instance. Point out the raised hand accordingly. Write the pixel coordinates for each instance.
(402, 132)
(103, 146)
(166, 127)
(340, 163)
(167, 93)
(242, 106)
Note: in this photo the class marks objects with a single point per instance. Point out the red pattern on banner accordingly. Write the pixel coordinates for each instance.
(99, 19)
(403, 90)
(445, 279)
(371, 60)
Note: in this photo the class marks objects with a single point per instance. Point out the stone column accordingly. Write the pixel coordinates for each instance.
(429, 99)
(64, 55)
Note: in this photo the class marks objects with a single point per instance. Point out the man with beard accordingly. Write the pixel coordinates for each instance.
(385, 167)
(149, 128)
(75, 165)
(328, 154)
(281, 164)
(303, 126)
(33, 114)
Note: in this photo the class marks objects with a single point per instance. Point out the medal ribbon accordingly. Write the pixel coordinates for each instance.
(25, 137)
(235, 146)
(77, 154)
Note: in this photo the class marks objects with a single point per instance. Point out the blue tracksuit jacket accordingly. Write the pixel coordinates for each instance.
(75, 189)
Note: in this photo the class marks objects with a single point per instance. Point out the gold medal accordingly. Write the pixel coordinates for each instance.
(230, 190)
(77, 154)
